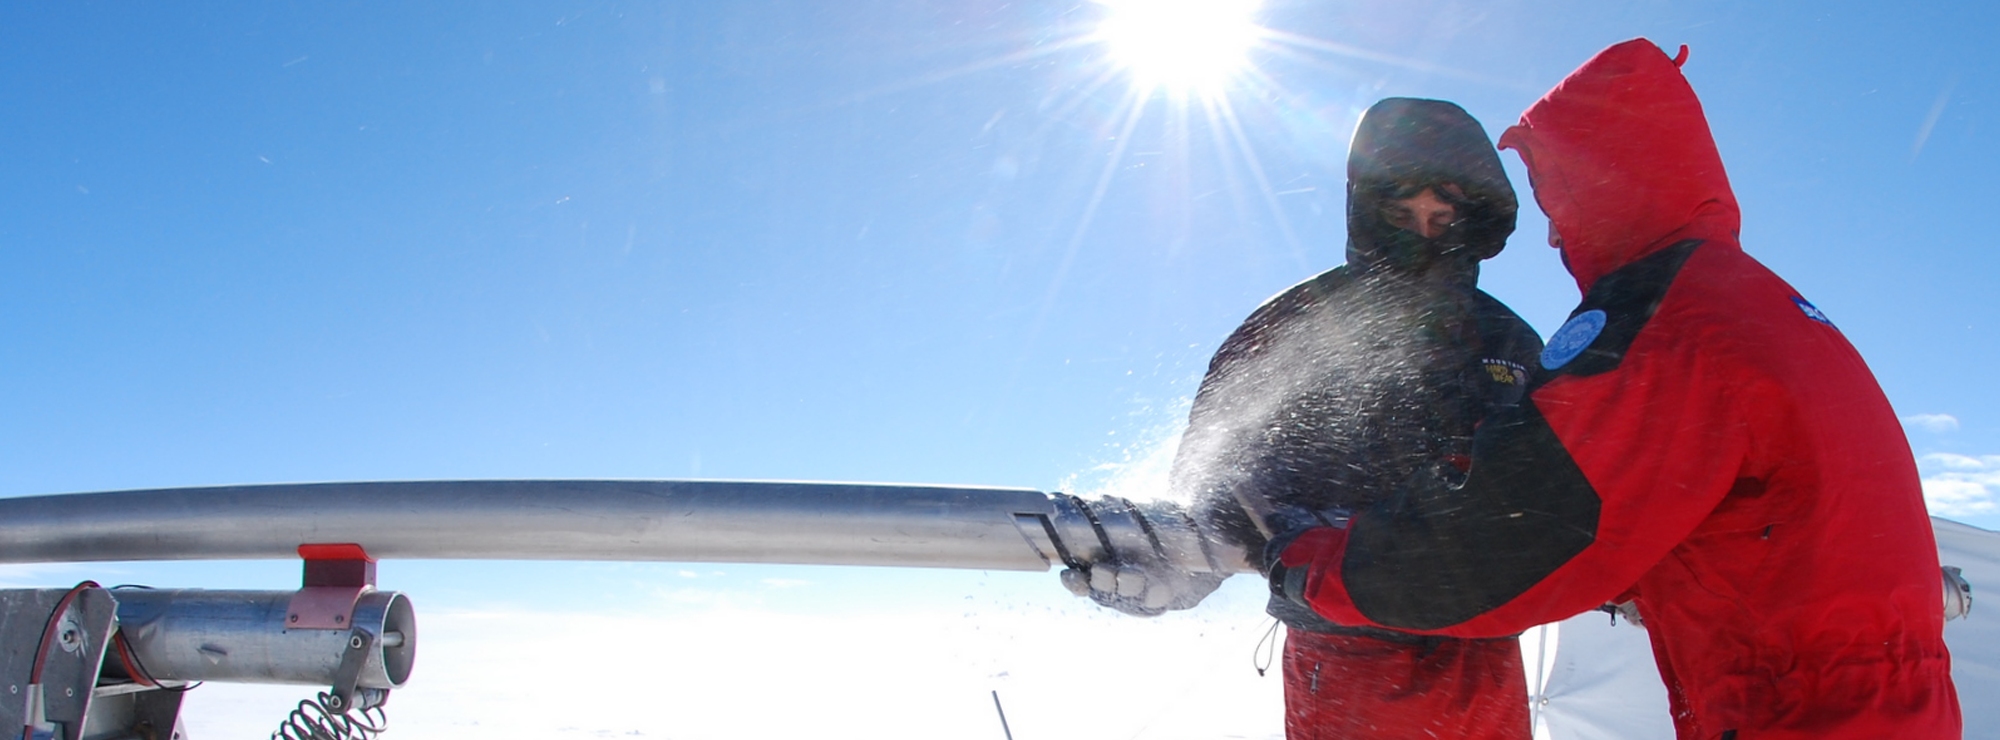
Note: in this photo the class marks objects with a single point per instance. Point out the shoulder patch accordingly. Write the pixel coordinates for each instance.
(1812, 311)
(1505, 372)
(1573, 338)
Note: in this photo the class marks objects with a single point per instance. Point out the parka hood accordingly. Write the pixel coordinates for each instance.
(1622, 161)
(1404, 144)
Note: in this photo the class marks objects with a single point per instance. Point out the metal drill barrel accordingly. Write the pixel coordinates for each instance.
(681, 521)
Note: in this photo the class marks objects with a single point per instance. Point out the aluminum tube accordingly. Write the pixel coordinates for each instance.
(241, 636)
(685, 521)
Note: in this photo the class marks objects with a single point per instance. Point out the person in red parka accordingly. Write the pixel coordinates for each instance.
(1701, 441)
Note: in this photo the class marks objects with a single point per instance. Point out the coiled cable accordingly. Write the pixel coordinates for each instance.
(314, 719)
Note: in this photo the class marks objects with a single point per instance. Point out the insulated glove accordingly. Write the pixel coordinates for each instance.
(1140, 589)
(1145, 560)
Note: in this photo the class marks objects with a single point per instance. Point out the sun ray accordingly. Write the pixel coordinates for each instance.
(1256, 167)
(1292, 45)
(945, 75)
(1133, 109)
(1182, 134)
(1080, 97)
(1137, 105)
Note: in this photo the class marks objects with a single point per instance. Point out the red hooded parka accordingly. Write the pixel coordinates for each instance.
(1703, 441)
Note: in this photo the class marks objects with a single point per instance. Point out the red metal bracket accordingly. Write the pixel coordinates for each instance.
(335, 575)
(344, 564)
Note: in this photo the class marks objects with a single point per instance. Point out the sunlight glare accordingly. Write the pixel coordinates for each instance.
(1180, 45)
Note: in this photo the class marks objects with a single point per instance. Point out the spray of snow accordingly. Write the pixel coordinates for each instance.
(1331, 396)
(1141, 466)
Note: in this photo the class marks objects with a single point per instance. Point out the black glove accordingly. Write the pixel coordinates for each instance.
(1288, 581)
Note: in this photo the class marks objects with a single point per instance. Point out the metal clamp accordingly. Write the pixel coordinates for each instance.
(347, 678)
(1957, 593)
(336, 575)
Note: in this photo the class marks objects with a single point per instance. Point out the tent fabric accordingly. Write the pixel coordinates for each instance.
(1602, 682)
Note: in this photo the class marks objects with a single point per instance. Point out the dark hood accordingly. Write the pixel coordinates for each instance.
(1622, 161)
(1403, 145)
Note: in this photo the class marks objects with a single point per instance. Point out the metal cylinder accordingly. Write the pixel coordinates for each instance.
(691, 521)
(241, 637)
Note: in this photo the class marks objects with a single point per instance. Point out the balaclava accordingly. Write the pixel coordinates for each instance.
(1403, 146)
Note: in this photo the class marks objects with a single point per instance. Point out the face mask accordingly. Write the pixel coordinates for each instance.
(1383, 244)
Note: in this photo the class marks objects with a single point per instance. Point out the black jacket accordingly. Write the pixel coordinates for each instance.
(1336, 391)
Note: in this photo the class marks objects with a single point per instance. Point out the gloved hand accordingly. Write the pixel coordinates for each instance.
(1142, 589)
(1289, 558)
(1287, 520)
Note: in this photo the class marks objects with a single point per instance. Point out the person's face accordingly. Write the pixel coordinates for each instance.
(1423, 214)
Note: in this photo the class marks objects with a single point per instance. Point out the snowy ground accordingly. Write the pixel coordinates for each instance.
(1062, 668)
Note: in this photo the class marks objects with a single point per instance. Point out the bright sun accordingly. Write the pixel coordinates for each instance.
(1180, 45)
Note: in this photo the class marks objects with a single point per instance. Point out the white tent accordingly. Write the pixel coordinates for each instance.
(1600, 682)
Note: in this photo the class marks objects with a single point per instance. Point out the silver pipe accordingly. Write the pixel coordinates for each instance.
(677, 521)
(241, 636)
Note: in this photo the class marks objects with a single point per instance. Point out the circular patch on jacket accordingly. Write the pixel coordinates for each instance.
(1812, 311)
(1573, 338)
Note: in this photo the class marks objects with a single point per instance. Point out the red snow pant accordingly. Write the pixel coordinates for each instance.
(1350, 687)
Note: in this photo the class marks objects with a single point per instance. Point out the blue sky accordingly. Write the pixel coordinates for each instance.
(872, 240)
